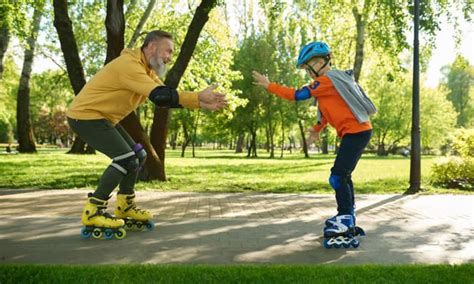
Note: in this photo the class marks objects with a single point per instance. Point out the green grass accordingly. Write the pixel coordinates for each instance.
(215, 171)
(237, 274)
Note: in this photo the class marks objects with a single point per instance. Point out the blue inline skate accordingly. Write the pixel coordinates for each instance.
(340, 231)
(358, 230)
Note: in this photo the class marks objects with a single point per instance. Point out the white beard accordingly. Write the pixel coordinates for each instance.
(159, 66)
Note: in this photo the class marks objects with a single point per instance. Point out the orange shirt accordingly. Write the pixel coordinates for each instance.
(334, 109)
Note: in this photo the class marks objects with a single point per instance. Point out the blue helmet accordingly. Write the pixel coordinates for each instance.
(315, 48)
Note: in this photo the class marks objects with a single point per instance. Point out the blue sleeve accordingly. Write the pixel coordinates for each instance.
(302, 94)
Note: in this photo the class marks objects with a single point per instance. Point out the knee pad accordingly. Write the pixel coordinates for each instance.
(126, 163)
(140, 153)
(335, 181)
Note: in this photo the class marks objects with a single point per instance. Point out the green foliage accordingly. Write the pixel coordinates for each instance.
(6, 130)
(391, 93)
(463, 142)
(457, 171)
(459, 80)
(50, 95)
(454, 172)
(13, 17)
(8, 91)
(438, 118)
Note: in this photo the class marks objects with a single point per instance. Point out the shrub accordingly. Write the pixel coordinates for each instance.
(454, 172)
(457, 171)
(6, 133)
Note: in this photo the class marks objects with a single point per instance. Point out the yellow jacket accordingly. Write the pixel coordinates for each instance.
(119, 88)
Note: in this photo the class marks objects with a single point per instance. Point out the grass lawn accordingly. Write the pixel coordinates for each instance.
(216, 171)
(237, 274)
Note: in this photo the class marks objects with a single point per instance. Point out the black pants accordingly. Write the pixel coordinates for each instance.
(113, 141)
(351, 149)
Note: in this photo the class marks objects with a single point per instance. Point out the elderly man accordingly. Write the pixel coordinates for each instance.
(114, 92)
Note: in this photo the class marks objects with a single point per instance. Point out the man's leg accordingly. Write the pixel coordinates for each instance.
(104, 137)
(126, 206)
(127, 185)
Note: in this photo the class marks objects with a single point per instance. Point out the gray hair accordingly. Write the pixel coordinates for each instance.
(155, 36)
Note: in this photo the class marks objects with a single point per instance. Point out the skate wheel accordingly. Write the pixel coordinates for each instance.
(150, 226)
(85, 233)
(139, 226)
(346, 245)
(97, 233)
(120, 233)
(355, 244)
(129, 225)
(326, 244)
(337, 246)
(108, 234)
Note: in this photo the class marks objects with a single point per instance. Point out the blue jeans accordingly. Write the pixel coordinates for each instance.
(351, 149)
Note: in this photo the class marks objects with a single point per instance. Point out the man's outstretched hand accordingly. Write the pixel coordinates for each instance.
(208, 99)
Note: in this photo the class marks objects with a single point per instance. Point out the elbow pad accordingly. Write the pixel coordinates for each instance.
(164, 96)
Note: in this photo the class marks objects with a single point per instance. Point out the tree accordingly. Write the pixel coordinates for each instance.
(12, 23)
(437, 118)
(391, 95)
(159, 128)
(25, 133)
(4, 39)
(459, 79)
(141, 23)
(75, 71)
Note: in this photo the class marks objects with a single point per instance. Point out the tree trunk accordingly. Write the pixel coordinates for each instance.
(74, 68)
(252, 150)
(143, 19)
(4, 39)
(159, 128)
(240, 143)
(193, 138)
(115, 26)
(172, 141)
(282, 137)
(360, 39)
(26, 143)
(381, 150)
(325, 142)
(186, 139)
(303, 138)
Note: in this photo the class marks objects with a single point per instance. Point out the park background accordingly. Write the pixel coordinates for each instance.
(49, 49)
(258, 142)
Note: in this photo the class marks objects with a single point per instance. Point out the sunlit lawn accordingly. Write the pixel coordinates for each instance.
(216, 171)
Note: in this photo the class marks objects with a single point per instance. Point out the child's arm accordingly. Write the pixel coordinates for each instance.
(321, 125)
(281, 91)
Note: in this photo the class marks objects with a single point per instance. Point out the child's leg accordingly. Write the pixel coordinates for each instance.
(350, 151)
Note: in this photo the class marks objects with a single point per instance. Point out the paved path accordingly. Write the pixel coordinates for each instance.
(42, 226)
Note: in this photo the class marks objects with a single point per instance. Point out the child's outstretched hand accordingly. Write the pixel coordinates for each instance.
(260, 79)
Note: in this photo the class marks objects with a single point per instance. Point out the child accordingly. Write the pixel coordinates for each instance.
(343, 104)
